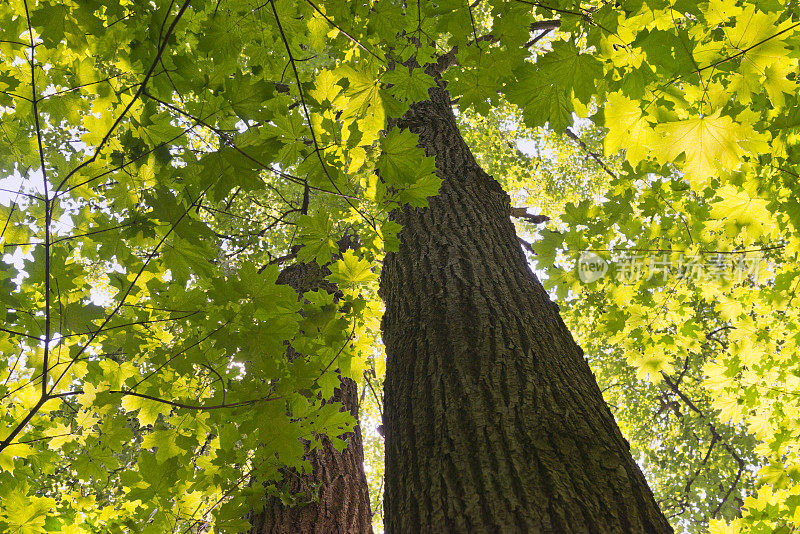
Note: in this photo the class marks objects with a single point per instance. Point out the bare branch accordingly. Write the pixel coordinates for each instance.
(522, 213)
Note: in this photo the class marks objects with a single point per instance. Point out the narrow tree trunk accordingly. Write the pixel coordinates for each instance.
(343, 500)
(343, 505)
(493, 420)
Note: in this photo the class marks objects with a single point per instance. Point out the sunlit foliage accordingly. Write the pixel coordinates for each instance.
(161, 161)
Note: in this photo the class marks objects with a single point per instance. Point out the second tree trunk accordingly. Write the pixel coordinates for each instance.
(337, 480)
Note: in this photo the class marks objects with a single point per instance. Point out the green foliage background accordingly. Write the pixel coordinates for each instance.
(162, 160)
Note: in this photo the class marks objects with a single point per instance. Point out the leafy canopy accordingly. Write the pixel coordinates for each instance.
(162, 161)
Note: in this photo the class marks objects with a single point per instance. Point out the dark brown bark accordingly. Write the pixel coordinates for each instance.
(342, 505)
(493, 420)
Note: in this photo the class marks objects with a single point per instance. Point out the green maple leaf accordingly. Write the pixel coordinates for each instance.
(363, 90)
(417, 194)
(389, 235)
(25, 514)
(316, 237)
(629, 128)
(400, 157)
(148, 410)
(708, 142)
(406, 85)
(351, 270)
(761, 36)
(571, 69)
(541, 99)
(405, 167)
(544, 90)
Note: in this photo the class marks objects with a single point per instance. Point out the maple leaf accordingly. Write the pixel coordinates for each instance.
(351, 270)
(738, 207)
(629, 128)
(710, 144)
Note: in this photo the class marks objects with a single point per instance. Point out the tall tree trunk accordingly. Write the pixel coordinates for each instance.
(343, 505)
(493, 420)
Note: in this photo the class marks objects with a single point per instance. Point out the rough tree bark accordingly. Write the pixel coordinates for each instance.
(493, 420)
(343, 505)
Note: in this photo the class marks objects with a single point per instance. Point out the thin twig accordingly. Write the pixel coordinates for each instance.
(317, 149)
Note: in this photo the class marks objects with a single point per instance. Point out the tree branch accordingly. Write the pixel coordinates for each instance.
(522, 213)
